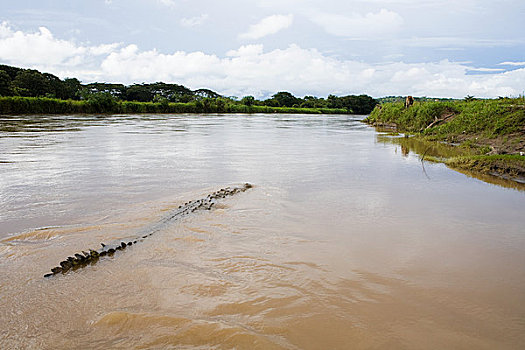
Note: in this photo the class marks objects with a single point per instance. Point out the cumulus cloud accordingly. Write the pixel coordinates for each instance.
(194, 21)
(42, 47)
(357, 25)
(250, 70)
(129, 64)
(267, 26)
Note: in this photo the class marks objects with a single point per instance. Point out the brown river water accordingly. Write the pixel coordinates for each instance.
(345, 242)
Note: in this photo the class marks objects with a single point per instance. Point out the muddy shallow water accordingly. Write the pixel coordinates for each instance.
(344, 242)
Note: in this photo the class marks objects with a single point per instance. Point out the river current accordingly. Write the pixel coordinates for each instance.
(344, 242)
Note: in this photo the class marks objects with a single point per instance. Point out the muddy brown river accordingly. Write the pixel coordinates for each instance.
(344, 242)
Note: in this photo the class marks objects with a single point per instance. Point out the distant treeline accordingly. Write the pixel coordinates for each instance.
(31, 91)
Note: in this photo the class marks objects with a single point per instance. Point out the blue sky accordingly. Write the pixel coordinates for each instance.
(309, 47)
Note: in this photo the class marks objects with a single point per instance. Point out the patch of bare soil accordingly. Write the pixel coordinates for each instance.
(508, 144)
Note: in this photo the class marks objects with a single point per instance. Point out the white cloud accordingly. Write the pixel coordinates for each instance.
(247, 50)
(249, 70)
(486, 70)
(129, 64)
(508, 63)
(103, 49)
(169, 3)
(194, 21)
(42, 48)
(267, 26)
(384, 22)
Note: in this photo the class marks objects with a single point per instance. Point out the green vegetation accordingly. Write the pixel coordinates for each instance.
(488, 135)
(508, 165)
(456, 121)
(24, 91)
(103, 103)
(391, 99)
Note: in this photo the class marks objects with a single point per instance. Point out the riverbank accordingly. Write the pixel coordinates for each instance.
(16, 105)
(488, 134)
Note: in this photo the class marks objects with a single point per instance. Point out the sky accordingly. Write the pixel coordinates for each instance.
(434, 48)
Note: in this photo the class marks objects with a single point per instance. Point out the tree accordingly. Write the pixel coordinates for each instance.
(313, 102)
(185, 98)
(116, 90)
(55, 86)
(362, 104)
(32, 83)
(285, 99)
(102, 102)
(72, 88)
(5, 84)
(220, 103)
(139, 93)
(173, 92)
(334, 102)
(272, 102)
(206, 104)
(206, 93)
(248, 100)
(163, 101)
(11, 71)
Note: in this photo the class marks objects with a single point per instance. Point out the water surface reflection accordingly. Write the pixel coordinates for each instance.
(342, 243)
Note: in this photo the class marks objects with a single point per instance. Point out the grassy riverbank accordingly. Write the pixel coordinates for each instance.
(490, 133)
(16, 105)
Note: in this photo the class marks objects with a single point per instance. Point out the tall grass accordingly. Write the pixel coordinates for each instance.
(488, 118)
(12, 105)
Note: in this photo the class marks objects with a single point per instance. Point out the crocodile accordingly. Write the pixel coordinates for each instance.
(91, 256)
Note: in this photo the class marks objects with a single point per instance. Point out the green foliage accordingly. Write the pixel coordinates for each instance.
(118, 91)
(285, 99)
(206, 93)
(5, 84)
(509, 164)
(271, 102)
(488, 118)
(106, 103)
(40, 105)
(248, 101)
(139, 93)
(101, 102)
(391, 99)
(31, 83)
(163, 101)
(362, 104)
(11, 71)
(72, 89)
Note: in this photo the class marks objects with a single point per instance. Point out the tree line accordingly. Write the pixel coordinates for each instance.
(20, 82)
